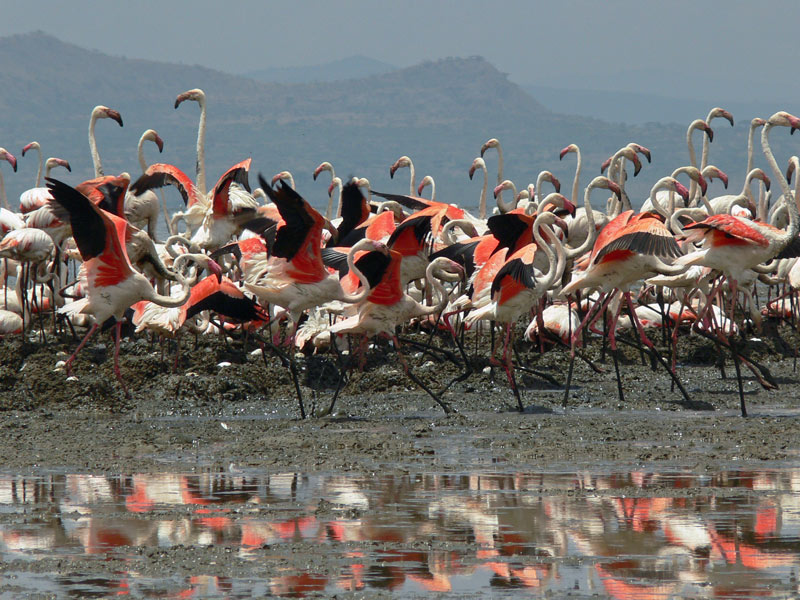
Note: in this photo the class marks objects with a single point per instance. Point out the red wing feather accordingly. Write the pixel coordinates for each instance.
(160, 174)
(732, 226)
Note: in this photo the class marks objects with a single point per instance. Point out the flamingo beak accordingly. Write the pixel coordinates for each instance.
(12, 160)
(789, 171)
(159, 142)
(556, 184)
(564, 152)
(681, 189)
(646, 153)
(637, 165)
(316, 173)
(497, 190)
(702, 183)
(420, 187)
(723, 177)
(604, 166)
(330, 189)
(215, 269)
(64, 164)
(725, 114)
(26, 148)
(113, 114)
(614, 188)
(275, 179)
(471, 171)
(709, 133)
(569, 207)
(179, 99)
(381, 247)
(766, 182)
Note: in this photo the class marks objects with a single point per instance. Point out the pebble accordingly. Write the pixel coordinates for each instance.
(487, 370)
(60, 365)
(62, 354)
(428, 364)
(224, 364)
(257, 352)
(72, 378)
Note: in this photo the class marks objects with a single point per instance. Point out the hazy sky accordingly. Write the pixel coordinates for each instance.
(565, 43)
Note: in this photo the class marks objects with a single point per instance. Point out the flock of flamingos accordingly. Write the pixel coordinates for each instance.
(686, 262)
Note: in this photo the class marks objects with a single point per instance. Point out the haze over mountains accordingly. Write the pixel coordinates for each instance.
(439, 113)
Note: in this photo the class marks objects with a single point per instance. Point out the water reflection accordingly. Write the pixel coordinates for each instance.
(622, 535)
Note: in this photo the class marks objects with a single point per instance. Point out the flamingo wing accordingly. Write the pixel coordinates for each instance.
(643, 236)
(609, 232)
(412, 235)
(299, 220)
(384, 277)
(224, 298)
(792, 250)
(238, 174)
(412, 202)
(160, 174)
(732, 226)
(461, 252)
(510, 228)
(355, 210)
(335, 259)
(107, 192)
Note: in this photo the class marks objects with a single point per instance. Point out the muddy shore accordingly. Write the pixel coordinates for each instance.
(224, 410)
(224, 406)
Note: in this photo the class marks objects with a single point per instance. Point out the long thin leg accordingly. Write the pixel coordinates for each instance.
(445, 407)
(117, 336)
(71, 359)
(735, 353)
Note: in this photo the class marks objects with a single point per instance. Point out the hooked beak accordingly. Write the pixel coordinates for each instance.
(556, 184)
(702, 183)
(330, 189)
(766, 182)
(12, 160)
(723, 177)
(64, 164)
(681, 189)
(215, 269)
(159, 142)
(497, 190)
(26, 148)
(709, 133)
(564, 152)
(604, 166)
(615, 188)
(113, 114)
(471, 171)
(637, 165)
(569, 207)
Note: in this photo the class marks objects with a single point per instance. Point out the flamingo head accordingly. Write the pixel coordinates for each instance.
(605, 182)
(567, 150)
(380, 247)
(548, 176)
(492, 143)
(110, 113)
(426, 181)
(681, 190)
(784, 119)
(605, 164)
(196, 94)
(758, 122)
(506, 185)
(703, 126)
(790, 170)
(759, 174)
(6, 155)
(478, 163)
(155, 138)
(278, 176)
(325, 166)
(29, 146)
(717, 173)
(401, 162)
(334, 182)
(641, 150)
(59, 162)
(721, 112)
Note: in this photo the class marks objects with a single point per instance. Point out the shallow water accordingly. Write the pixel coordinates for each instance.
(618, 534)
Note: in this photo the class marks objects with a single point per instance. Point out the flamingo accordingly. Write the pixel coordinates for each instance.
(479, 163)
(495, 143)
(293, 276)
(427, 181)
(515, 289)
(404, 161)
(714, 113)
(12, 160)
(143, 208)
(37, 196)
(387, 305)
(326, 166)
(112, 283)
(99, 112)
(285, 175)
(199, 96)
(30, 248)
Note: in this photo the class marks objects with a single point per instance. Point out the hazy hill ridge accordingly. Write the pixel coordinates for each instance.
(439, 113)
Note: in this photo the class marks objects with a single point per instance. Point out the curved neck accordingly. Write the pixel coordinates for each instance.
(503, 208)
(339, 203)
(3, 198)
(413, 179)
(575, 181)
(552, 270)
(750, 136)
(363, 291)
(41, 163)
(169, 301)
(464, 224)
(661, 184)
(484, 190)
(140, 152)
(433, 189)
(788, 199)
(501, 205)
(98, 166)
(589, 241)
(692, 155)
(200, 167)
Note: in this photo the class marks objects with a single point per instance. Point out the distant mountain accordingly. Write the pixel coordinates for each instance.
(640, 108)
(353, 67)
(439, 113)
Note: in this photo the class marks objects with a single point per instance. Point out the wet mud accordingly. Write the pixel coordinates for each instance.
(225, 407)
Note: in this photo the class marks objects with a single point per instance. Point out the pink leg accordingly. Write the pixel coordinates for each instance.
(576, 334)
(68, 364)
(117, 335)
